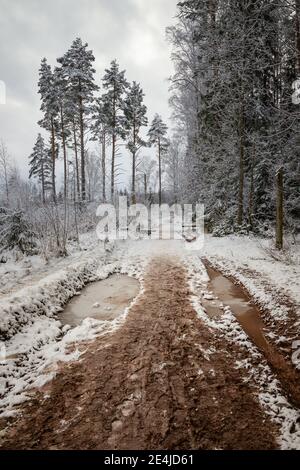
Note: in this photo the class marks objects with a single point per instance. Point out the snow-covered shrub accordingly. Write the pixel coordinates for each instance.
(16, 232)
(289, 255)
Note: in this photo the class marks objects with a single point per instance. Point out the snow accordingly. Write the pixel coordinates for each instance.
(37, 343)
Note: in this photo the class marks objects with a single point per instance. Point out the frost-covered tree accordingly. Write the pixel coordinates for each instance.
(16, 232)
(65, 115)
(135, 119)
(145, 176)
(157, 137)
(115, 84)
(40, 165)
(50, 109)
(93, 172)
(100, 133)
(174, 167)
(78, 72)
(235, 62)
(5, 168)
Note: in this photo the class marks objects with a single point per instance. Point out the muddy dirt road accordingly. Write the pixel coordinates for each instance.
(162, 381)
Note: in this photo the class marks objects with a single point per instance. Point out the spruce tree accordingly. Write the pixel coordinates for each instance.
(16, 232)
(41, 166)
(232, 80)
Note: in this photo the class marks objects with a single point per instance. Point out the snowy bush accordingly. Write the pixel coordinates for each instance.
(16, 232)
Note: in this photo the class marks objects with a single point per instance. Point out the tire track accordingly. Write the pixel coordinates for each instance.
(150, 385)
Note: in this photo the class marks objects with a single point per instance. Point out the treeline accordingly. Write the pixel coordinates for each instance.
(233, 98)
(76, 110)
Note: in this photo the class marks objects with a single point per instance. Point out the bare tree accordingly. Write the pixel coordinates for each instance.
(5, 167)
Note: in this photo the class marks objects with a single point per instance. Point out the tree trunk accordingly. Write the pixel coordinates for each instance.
(113, 156)
(76, 161)
(241, 167)
(104, 166)
(43, 185)
(83, 185)
(113, 167)
(6, 184)
(65, 177)
(297, 5)
(65, 153)
(53, 149)
(145, 187)
(251, 193)
(159, 172)
(133, 193)
(279, 211)
(83, 188)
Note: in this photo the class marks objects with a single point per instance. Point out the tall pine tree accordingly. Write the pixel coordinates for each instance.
(135, 118)
(157, 137)
(78, 71)
(115, 84)
(50, 109)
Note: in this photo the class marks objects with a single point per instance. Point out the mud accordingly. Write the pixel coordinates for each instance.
(250, 319)
(162, 381)
(103, 300)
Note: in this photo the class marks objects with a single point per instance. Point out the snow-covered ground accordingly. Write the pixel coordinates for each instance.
(19, 270)
(36, 342)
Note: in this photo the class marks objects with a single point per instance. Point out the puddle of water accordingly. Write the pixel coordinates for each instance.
(102, 300)
(246, 313)
(249, 317)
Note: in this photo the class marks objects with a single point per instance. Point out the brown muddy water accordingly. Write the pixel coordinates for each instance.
(246, 313)
(102, 300)
(227, 293)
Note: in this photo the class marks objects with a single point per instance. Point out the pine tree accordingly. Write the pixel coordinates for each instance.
(78, 71)
(64, 118)
(100, 133)
(41, 165)
(135, 118)
(157, 137)
(115, 84)
(50, 109)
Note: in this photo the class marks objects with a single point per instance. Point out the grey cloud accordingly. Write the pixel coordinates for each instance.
(133, 31)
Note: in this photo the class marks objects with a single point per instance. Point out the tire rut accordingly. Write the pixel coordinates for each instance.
(162, 381)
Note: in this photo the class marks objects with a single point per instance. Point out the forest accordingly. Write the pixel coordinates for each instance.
(233, 135)
(174, 339)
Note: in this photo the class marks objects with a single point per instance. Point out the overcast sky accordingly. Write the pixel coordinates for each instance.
(132, 31)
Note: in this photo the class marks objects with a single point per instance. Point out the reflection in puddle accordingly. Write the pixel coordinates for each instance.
(102, 300)
(247, 314)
